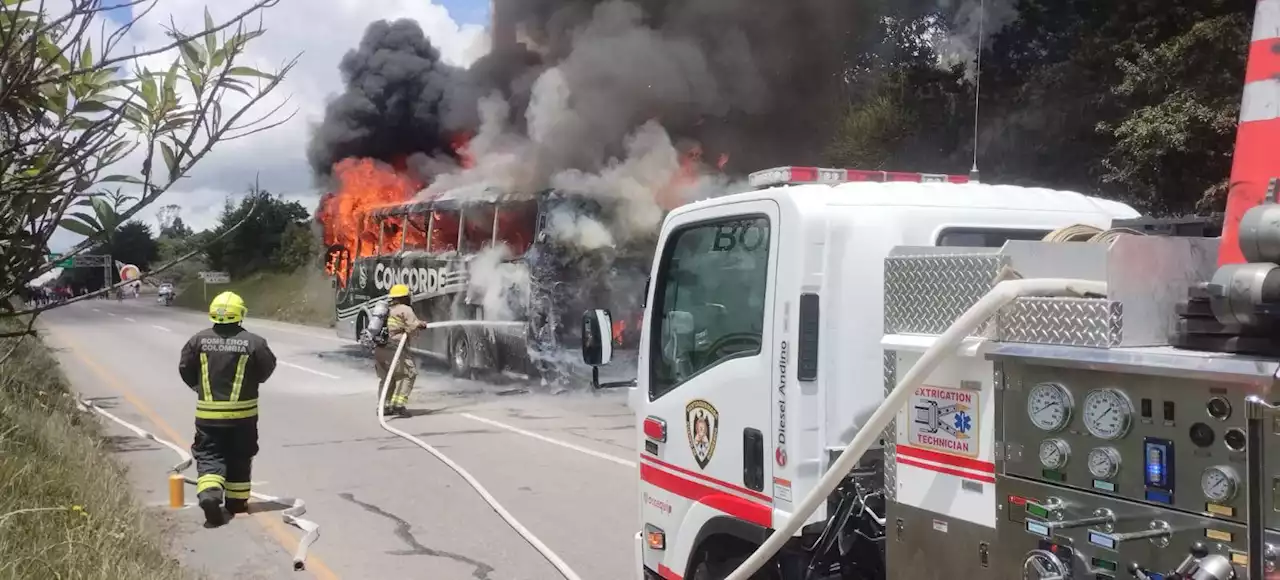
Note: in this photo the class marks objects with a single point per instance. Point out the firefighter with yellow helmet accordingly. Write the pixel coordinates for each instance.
(387, 325)
(224, 365)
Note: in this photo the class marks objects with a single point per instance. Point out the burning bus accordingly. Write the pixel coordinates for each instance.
(526, 265)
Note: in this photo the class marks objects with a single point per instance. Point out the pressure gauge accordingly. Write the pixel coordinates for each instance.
(1104, 462)
(1107, 414)
(1054, 453)
(1219, 483)
(1049, 406)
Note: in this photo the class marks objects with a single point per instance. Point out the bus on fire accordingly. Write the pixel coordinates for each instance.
(499, 258)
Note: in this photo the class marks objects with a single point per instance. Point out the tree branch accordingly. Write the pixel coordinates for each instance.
(152, 273)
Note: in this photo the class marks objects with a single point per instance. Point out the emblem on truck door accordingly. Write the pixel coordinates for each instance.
(702, 424)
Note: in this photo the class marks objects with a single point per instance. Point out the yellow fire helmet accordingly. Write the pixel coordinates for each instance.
(398, 291)
(227, 308)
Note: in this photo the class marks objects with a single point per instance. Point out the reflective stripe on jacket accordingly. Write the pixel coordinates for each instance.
(401, 319)
(224, 365)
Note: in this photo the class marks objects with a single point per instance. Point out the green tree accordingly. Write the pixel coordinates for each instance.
(177, 230)
(298, 248)
(1174, 143)
(253, 246)
(134, 244)
(74, 111)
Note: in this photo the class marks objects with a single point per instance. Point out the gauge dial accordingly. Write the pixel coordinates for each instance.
(1219, 483)
(1104, 462)
(1218, 408)
(1107, 413)
(1049, 406)
(1054, 453)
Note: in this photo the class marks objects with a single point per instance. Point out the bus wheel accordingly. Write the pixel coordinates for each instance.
(461, 354)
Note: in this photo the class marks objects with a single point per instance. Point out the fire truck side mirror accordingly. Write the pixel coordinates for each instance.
(597, 337)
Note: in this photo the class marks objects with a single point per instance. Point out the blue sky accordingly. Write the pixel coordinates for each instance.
(462, 11)
(467, 11)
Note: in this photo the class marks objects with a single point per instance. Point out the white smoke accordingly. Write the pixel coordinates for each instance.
(501, 287)
(972, 26)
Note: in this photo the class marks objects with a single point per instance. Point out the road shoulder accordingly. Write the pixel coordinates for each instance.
(240, 549)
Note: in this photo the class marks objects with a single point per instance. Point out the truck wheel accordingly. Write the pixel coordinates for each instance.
(720, 569)
(461, 354)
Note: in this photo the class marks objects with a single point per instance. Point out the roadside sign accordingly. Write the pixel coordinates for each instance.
(215, 277)
(60, 262)
(945, 420)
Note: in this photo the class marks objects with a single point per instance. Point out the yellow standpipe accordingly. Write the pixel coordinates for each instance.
(177, 489)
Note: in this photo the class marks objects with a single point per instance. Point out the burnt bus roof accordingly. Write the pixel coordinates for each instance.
(455, 200)
(449, 202)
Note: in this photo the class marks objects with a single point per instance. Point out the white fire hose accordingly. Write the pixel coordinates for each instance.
(528, 536)
(292, 515)
(945, 346)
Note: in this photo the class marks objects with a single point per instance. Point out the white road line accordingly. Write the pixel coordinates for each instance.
(95, 310)
(312, 371)
(130, 319)
(540, 437)
(112, 314)
(158, 327)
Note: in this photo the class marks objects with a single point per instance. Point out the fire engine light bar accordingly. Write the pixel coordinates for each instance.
(656, 429)
(793, 175)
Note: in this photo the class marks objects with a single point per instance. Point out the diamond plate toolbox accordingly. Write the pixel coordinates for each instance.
(1092, 322)
(925, 294)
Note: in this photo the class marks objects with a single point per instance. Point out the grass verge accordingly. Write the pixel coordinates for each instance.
(66, 507)
(301, 297)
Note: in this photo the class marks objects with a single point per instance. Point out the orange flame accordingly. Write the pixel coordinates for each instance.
(619, 327)
(364, 184)
(674, 193)
(461, 144)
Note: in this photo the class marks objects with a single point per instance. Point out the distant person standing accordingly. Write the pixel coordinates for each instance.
(224, 365)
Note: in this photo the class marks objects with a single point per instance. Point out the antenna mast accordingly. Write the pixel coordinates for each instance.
(977, 93)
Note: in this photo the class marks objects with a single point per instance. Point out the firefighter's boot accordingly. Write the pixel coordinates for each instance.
(238, 506)
(211, 504)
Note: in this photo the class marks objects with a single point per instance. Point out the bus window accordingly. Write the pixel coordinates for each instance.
(415, 235)
(367, 243)
(444, 232)
(478, 223)
(392, 235)
(986, 237)
(516, 222)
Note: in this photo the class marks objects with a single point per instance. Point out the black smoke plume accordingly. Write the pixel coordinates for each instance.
(762, 80)
(400, 99)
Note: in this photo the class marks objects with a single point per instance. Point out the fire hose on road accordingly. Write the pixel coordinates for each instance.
(528, 536)
(292, 515)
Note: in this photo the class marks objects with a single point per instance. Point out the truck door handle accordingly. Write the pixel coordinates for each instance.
(753, 459)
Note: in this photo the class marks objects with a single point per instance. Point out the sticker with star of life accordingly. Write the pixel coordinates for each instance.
(945, 420)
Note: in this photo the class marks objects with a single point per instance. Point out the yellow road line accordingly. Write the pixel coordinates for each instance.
(275, 527)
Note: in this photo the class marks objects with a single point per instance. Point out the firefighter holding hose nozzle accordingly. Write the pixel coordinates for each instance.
(224, 365)
(386, 326)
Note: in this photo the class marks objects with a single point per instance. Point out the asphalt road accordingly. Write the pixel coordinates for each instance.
(563, 464)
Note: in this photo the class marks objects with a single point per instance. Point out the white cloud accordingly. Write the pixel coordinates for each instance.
(322, 30)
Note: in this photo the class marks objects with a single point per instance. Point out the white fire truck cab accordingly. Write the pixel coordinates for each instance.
(761, 356)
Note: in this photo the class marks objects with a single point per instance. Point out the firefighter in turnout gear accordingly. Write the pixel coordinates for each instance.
(385, 333)
(224, 365)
